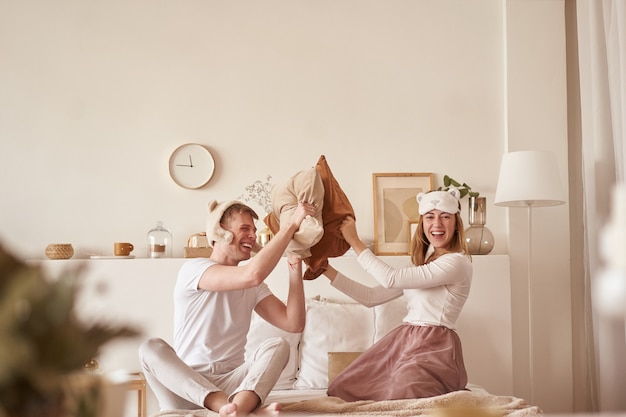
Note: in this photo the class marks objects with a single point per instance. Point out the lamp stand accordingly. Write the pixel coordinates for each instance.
(531, 367)
(529, 179)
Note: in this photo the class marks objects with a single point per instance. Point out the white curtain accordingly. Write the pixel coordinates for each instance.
(602, 64)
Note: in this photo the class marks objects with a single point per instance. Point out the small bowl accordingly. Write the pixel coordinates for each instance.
(59, 251)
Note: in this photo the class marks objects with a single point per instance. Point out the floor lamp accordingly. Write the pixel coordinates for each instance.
(529, 179)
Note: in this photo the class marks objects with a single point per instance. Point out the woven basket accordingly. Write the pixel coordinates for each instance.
(59, 251)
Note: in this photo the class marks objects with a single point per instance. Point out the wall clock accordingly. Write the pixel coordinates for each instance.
(191, 165)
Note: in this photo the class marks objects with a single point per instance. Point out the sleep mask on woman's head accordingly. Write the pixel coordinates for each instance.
(446, 201)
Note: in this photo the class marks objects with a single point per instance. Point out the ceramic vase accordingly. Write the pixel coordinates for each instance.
(479, 238)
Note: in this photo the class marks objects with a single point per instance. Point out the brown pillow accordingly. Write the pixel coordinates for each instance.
(336, 208)
(338, 361)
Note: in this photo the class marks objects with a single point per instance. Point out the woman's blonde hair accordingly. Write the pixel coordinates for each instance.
(420, 243)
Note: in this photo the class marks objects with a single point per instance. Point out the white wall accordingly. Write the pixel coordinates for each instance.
(537, 119)
(96, 95)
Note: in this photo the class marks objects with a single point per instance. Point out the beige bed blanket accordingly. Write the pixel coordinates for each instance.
(454, 404)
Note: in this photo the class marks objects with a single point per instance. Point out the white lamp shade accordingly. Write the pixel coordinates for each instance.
(529, 178)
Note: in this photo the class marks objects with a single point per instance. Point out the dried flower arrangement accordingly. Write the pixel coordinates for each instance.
(260, 193)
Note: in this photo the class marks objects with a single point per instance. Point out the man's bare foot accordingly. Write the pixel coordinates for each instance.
(228, 410)
(272, 409)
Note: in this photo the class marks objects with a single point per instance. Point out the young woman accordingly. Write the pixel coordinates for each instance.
(423, 357)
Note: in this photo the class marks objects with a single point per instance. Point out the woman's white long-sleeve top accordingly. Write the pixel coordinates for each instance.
(435, 292)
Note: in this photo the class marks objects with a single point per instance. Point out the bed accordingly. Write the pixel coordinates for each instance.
(454, 404)
(306, 377)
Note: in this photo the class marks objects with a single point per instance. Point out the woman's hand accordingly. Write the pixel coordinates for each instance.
(348, 230)
(349, 233)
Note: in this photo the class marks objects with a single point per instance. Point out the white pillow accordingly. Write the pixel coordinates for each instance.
(388, 316)
(260, 331)
(331, 327)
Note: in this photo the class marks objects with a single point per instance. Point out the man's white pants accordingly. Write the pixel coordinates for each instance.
(179, 386)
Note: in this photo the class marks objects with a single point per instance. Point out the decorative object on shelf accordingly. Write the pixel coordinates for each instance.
(463, 188)
(191, 166)
(159, 242)
(45, 346)
(197, 246)
(59, 251)
(529, 179)
(395, 209)
(478, 237)
(260, 193)
(264, 236)
(122, 248)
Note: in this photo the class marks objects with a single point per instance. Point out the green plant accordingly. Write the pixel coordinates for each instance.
(463, 188)
(43, 340)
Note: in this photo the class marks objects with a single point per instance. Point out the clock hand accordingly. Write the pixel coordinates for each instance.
(185, 165)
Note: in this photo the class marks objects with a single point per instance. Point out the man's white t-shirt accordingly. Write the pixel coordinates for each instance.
(211, 326)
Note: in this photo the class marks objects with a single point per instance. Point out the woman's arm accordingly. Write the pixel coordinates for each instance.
(368, 296)
(450, 268)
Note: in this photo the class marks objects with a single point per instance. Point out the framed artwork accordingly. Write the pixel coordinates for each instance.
(395, 209)
(411, 229)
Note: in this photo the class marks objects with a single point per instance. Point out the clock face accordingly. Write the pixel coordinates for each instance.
(191, 165)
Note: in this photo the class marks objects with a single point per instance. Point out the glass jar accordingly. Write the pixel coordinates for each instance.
(159, 242)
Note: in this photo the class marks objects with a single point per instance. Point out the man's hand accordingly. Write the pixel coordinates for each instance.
(302, 211)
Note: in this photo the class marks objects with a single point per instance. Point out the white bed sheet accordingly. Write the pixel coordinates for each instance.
(314, 402)
(294, 395)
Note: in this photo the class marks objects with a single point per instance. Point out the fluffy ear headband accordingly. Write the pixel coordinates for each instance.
(446, 201)
(214, 231)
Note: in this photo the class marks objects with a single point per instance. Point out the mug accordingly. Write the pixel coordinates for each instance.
(122, 248)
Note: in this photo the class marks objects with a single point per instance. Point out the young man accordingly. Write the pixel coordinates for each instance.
(213, 303)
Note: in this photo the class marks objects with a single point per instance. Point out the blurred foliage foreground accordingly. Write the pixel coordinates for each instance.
(44, 346)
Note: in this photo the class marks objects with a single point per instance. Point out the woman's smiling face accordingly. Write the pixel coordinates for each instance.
(439, 228)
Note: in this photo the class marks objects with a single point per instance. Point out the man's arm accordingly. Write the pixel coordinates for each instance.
(264, 262)
(232, 277)
(290, 317)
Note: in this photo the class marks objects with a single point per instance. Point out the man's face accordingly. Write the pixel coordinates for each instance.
(244, 236)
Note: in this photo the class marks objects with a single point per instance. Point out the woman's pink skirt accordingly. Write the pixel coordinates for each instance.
(409, 362)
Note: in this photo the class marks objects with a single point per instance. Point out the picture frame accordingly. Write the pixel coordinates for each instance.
(396, 209)
(412, 228)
